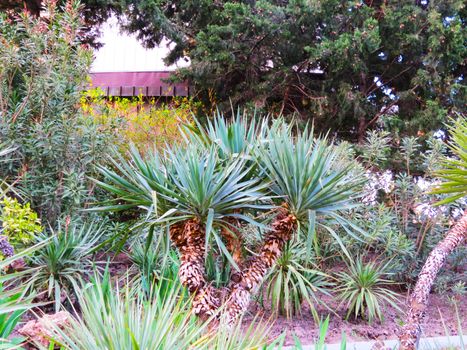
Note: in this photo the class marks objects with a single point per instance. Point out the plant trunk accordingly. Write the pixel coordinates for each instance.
(249, 280)
(189, 238)
(234, 243)
(418, 302)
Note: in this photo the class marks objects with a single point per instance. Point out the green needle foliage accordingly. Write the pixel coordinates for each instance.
(454, 172)
(363, 288)
(342, 63)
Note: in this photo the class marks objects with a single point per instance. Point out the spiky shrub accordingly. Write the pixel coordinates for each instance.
(454, 172)
(112, 318)
(292, 280)
(364, 287)
(202, 193)
(198, 194)
(60, 264)
(153, 264)
(309, 184)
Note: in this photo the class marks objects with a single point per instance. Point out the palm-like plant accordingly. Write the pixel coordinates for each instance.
(455, 186)
(201, 190)
(364, 287)
(196, 193)
(237, 137)
(308, 181)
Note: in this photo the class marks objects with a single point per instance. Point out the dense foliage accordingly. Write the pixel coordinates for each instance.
(239, 209)
(146, 123)
(43, 71)
(348, 65)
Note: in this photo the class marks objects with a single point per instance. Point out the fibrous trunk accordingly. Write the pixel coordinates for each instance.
(410, 332)
(251, 277)
(189, 238)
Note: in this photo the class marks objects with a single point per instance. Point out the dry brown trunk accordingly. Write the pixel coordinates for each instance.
(281, 231)
(189, 238)
(418, 302)
(233, 239)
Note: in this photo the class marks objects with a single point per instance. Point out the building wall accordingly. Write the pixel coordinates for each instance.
(123, 53)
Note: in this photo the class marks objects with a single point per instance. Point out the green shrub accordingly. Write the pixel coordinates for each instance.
(399, 215)
(363, 289)
(55, 148)
(154, 265)
(114, 318)
(147, 124)
(20, 224)
(290, 283)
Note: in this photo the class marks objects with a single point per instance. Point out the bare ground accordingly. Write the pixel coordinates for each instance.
(441, 310)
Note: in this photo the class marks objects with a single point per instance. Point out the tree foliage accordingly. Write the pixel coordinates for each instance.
(347, 64)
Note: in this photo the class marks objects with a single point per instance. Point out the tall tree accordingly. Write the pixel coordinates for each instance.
(348, 64)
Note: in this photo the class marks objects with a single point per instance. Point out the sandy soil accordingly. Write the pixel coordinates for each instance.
(441, 310)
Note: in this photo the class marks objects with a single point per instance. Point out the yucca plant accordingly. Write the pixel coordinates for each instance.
(308, 182)
(63, 261)
(454, 185)
(201, 192)
(291, 281)
(364, 287)
(156, 265)
(197, 194)
(235, 137)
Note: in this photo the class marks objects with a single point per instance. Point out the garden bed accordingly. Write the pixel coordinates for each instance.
(441, 311)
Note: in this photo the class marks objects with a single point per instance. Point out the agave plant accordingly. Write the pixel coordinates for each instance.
(363, 288)
(291, 281)
(60, 264)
